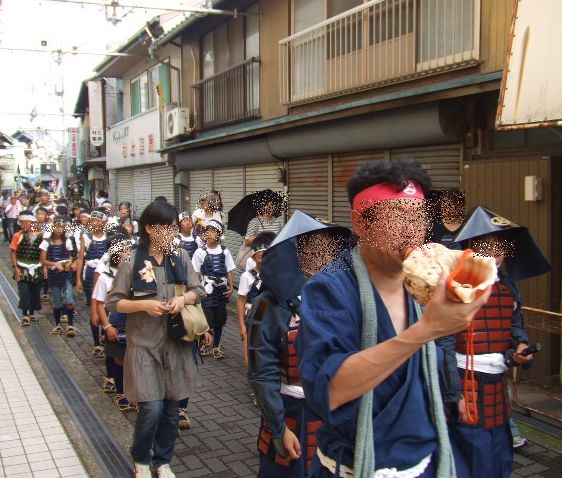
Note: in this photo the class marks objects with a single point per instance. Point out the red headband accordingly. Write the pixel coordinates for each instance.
(379, 192)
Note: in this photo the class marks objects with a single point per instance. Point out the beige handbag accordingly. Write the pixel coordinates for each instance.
(193, 318)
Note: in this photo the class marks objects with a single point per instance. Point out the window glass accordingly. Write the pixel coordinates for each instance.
(336, 7)
(221, 47)
(135, 97)
(444, 29)
(253, 32)
(208, 56)
(143, 81)
(308, 13)
(152, 83)
(236, 40)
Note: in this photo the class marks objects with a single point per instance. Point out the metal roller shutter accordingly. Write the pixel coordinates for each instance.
(124, 187)
(308, 186)
(230, 183)
(162, 182)
(442, 163)
(263, 176)
(200, 182)
(142, 181)
(343, 168)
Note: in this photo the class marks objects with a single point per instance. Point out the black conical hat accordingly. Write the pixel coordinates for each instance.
(482, 221)
(527, 259)
(303, 223)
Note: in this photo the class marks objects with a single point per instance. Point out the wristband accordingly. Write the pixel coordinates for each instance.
(107, 327)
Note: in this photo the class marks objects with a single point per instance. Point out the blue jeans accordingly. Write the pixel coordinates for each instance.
(11, 225)
(156, 429)
(62, 294)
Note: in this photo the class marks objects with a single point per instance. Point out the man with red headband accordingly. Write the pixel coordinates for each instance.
(367, 359)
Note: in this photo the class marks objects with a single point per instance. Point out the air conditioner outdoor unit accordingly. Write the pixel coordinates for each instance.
(177, 122)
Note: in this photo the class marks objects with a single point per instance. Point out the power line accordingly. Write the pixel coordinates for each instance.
(41, 114)
(139, 6)
(74, 52)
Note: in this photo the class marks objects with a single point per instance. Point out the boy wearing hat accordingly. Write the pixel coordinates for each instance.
(214, 264)
(304, 247)
(92, 249)
(57, 254)
(187, 240)
(475, 390)
(28, 271)
(250, 284)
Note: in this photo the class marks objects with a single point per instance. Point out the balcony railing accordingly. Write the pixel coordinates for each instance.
(379, 42)
(231, 96)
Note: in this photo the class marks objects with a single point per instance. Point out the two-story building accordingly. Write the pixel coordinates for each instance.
(122, 108)
(293, 95)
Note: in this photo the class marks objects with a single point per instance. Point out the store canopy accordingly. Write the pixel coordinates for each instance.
(530, 94)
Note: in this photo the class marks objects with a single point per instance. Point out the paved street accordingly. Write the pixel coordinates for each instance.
(222, 440)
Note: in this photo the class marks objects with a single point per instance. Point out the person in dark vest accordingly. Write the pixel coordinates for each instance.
(479, 410)
(214, 263)
(113, 324)
(57, 254)
(287, 440)
(28, 271)
(250, 285)
(92, 249)
(75, 193)
(187, 240)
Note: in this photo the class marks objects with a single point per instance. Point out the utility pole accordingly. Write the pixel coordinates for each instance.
(64, 152)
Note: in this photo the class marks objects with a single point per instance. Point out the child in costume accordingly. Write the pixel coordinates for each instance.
(479, 410)
(187, 239)
(28, 271)
(287, 440)
(92, 249)
(113, 324)
(57, 255)
(250, 285)
(214, 263)
(189, 242)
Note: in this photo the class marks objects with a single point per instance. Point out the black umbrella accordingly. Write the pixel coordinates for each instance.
(248, 207)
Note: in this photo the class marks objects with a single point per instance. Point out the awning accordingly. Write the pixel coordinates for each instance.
(530, 94)
(48, 177)
(426, 124)
(96, 173)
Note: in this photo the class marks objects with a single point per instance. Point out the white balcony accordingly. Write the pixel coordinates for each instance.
(377, 43)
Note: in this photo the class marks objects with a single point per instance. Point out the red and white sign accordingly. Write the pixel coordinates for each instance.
(134, 142)
(72, 142)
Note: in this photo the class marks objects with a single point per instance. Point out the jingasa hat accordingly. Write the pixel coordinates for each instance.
(527, 259)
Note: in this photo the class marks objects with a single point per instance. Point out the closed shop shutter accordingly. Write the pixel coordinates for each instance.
(230, 183)
(163, 182)
(200, 182)
(142, 181)
(124, 188)
(263, 176)
(442, 163)
(343, 168)
(308, 186)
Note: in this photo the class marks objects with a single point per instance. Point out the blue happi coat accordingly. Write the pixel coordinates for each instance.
(330, 332)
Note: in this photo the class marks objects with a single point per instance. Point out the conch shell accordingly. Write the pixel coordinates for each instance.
(468, 274)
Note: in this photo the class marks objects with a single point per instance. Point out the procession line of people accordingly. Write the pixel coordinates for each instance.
(340, 358)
